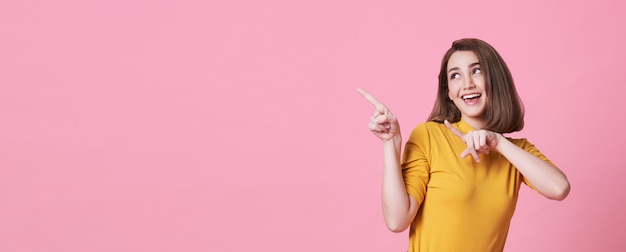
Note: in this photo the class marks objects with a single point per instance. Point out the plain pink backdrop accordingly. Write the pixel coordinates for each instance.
(236, 125)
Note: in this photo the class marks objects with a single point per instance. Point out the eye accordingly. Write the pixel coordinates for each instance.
(455, 76)
(477, 71)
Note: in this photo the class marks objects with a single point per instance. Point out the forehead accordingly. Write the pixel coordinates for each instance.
(462, 59)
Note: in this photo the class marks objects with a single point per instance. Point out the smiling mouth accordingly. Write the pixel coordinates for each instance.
(470, 97)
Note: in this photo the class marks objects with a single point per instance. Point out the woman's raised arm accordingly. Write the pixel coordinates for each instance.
(399, 208)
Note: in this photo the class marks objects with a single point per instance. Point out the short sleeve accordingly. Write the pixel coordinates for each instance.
(415, 164)
(530, 148)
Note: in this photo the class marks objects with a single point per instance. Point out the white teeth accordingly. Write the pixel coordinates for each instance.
(470, 96)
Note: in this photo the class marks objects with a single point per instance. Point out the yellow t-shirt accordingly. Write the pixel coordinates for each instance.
(464, 205)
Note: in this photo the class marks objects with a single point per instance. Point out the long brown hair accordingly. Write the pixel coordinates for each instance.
(504, 111)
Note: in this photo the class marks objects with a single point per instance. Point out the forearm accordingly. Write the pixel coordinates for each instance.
(546, 178)
(399, 208)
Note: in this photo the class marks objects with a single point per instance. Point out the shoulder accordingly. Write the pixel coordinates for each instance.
(425, 130)
(425, 127)
(517, 141)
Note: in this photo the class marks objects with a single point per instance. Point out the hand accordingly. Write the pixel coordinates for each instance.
(478, 141)
(383, 124)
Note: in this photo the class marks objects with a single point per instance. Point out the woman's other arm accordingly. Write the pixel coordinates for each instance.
(546, 178)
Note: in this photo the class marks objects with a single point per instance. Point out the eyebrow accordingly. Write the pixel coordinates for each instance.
(470, 65)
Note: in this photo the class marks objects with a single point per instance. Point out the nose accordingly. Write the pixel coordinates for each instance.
(468, 83)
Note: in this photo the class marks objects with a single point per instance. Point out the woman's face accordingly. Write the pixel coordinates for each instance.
(466, 86)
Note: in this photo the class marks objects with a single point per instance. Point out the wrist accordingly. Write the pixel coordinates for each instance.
(395, 141)
(501, 141)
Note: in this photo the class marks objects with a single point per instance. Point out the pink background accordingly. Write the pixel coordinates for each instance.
(235, 125)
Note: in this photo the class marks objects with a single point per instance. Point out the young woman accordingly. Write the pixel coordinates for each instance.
(457, 183)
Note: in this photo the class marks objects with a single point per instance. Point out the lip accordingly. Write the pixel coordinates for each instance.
(473, 93)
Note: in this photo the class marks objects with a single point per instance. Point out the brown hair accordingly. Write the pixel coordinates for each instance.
(504, 111)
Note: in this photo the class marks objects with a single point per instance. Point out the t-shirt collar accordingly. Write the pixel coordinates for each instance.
(463, 126)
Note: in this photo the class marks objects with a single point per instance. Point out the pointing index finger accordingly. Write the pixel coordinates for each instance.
(454, 130)
(379, 106)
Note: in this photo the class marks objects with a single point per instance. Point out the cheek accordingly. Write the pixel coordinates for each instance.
(452, 91)
(480, 82)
